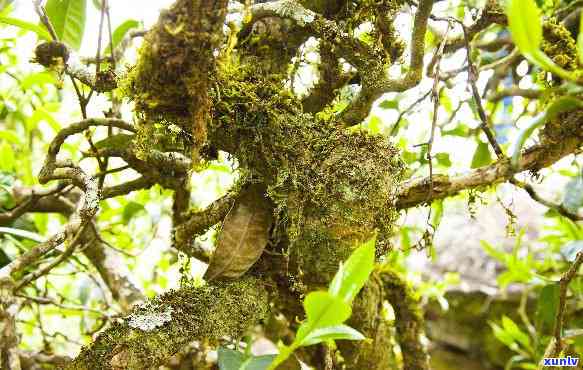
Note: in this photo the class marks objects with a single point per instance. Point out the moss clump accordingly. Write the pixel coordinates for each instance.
(559, 45)
(332, 187)
(210, 312)
(169, 83)
(51, 54)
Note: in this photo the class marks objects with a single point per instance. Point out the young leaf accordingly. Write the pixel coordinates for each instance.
(323, 309)
(524, 23)
(511, 328)
(244, 234)
(40, 32)
(336, 332)
(560, 105)
(68, 20)
(353, 274)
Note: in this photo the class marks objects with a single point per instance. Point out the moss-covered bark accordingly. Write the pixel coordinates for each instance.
(159, 329)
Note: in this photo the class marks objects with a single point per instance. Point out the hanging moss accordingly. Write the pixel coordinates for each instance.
(169, 83)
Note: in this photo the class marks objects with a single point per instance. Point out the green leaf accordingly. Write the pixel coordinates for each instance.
(37, 79)
(511, 328)
(560, 105)
(443, 159)
(353, 274)
(546, 306)
(336, 332)
(234, 360)
(258, 362)
(131, 209)
(524, 23)
(482, 156)
(8, 156)
(229, 359)
(573, 198)
(502, 335)
(389, 104)
(68, 20)
(120, 32)
(324, 309)
(22, 234)
(40, 32)
(10, 136)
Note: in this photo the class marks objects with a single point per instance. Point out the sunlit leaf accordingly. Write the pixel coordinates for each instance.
(353, 274)
(22, 234)
(68, 20)
(525, 25)
(511, 328)
(580, 40)
(389, 104)
(443, 159)
(40, 32)
(130, 210)
(337, 332)
(324, 309)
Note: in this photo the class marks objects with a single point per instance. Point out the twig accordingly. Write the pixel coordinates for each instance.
(472, 79)
(555, 346)
(395, 127)
(536, 197)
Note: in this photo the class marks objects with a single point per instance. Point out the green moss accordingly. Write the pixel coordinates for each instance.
(332, 187)
(559, 45)
(169, 84)
(178, 317)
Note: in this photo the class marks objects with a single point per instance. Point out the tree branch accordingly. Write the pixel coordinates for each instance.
(414, 191)
(156, 331)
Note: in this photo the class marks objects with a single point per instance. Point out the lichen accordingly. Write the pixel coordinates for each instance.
(149, 319)
(211, 312)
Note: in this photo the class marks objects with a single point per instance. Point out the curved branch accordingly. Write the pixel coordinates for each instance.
(375, 82)
(199, 222)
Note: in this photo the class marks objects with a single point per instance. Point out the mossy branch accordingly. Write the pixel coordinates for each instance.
(154, 332)
(408, 320)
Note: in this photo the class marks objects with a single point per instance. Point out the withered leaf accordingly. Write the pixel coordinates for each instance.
(243, 236)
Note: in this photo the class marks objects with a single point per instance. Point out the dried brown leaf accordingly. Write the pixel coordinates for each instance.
(244, 234)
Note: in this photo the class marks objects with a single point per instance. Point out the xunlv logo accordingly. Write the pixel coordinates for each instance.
(566, 361)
